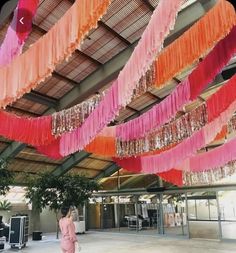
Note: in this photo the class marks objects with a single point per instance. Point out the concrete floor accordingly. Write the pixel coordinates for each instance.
(99, 242)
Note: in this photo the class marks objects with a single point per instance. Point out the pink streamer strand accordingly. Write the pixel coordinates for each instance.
(214, 158)
(188, 148)
(122, 89)
(13, 41)
(204, 74)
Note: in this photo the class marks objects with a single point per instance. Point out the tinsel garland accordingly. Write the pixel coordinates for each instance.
(209, 177)
(174, 132)
(69, 119)
(122, 89)
(40, 60)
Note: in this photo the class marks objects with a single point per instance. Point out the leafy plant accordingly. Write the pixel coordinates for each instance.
(6, 177)
(5, 205)
(55, 192)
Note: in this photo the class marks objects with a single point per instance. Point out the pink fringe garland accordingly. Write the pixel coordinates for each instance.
(38, 62)
(188, 90)
(160, 113)
(173, 158)
(122, 89)
(14, 41)
(33, 131)
(40, 136)
(212, 159)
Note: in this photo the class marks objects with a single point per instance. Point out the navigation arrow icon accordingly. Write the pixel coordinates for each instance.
(21, 21)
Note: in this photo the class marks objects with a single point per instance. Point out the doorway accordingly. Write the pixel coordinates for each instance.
(227, 207)
(203, 218)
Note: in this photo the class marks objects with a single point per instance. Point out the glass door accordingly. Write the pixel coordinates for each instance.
(174, 215)
(227, 206)
(203, 215)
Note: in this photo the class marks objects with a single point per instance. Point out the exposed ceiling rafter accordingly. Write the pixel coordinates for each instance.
(103, 75)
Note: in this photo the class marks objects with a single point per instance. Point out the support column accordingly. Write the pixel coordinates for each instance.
(35, 219)
(187, 215)
(116, 215)
(161, 217)
(219, 215)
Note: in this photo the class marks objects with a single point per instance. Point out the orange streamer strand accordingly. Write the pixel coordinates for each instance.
(193, 44)
(40, 60)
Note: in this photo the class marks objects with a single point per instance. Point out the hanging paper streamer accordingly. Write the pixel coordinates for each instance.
(32, 131)
(187, 148)
(212, 159)
(40, 60)
(172, 158)
(173, 176)
(122, 89)
(174, 132)
(188, 90)
(108, 108)
(69, 119)
(203, 35)
(209, 177)
(14, 39)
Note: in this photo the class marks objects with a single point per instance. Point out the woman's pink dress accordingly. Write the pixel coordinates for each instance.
(68, 235)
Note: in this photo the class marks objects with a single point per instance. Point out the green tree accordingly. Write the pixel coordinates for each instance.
(55, 192)
(6, 178)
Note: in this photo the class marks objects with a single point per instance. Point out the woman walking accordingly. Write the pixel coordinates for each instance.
(67, 227)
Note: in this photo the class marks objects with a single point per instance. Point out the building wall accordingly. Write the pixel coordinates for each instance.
(94, 216)
(48, 221)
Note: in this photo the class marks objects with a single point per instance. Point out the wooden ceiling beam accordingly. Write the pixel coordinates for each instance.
(19, 110)
(103, 75)
(113, 32)
(36, 161)
(41, 30)
(148, 5)
(153, 96)
(109, 29)
(42, 99)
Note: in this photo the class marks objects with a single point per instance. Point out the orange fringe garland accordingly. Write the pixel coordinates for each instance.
(202, 36)
(106, 146)
(193, 44)
(40, 60)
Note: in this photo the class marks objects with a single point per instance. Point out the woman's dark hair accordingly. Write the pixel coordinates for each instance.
(65, 210)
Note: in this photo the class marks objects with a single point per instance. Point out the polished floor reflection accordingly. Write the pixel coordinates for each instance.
(100, 242)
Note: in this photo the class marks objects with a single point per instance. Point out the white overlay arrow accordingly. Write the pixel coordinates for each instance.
(21, 20)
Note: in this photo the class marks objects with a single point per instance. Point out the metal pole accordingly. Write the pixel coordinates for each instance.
(196, 208)
(158, 213)
(209, 209)
(182, 220)
(101, 215)
(219, 215)
(136, 210)
(187, 219)
(118, 208)
(162, 230)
